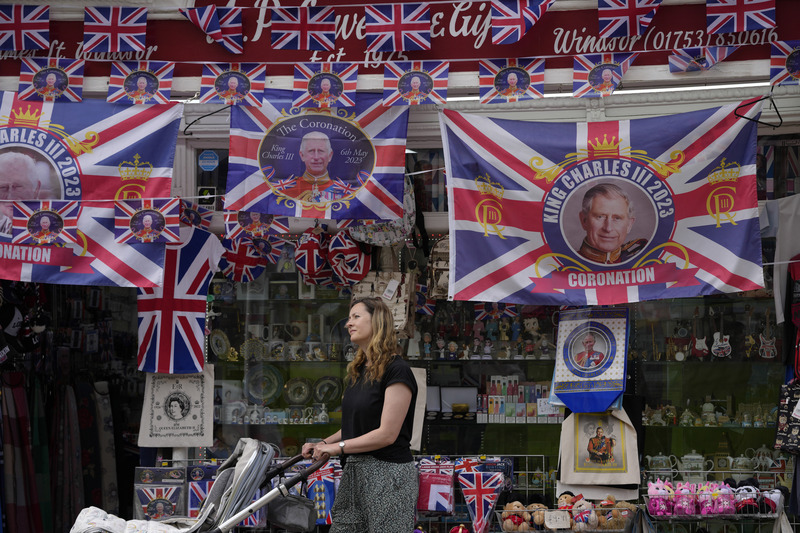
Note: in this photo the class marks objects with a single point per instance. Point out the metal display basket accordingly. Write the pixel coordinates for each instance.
(669, 513)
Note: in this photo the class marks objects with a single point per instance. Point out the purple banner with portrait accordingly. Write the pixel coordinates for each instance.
(302, 163)
(148, 220)
(51, 79)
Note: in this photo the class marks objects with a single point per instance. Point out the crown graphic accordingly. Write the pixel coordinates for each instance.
(26, 118)
(725, 172)
(487, 186)
(604, 148)
(135, 170)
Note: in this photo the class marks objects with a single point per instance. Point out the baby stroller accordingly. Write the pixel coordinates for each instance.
(229, 501)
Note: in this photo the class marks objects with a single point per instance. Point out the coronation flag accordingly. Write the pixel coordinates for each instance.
(114, 29)
(91, 153)
(701, 58)
(51, 79)
(362, 179)
(232, 83)
(146, 494)
(511, 19)
(599, 74)
(325, 85)
(205, 18)
(526, 83)
(142, 82)
(398, 27)
(625, 18)
(734, 16)
(784, 63)
(172, 317)
(193, 214)
(481, 490)
(322, 490)
(515, 191)
(61, 225)
(24, 27)
(251, 224)
(415, 82)
(147, 220)
(303, 28)
(241, 262)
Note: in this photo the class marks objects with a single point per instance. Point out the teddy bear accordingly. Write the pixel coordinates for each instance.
(515, 517)
(460, 528)
(565, 500)
(609, 515)
(537, 511)
(583, 515)
(627, 511)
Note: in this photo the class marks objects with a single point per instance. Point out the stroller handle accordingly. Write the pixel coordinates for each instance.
(302, 476)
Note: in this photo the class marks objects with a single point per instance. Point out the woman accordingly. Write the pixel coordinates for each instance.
(378, 491)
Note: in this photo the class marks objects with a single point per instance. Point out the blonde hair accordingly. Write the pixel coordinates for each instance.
(382, 346)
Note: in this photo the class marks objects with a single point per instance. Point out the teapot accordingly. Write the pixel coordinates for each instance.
(742, 467)
(661, 462)
(761, 458)
(694, 467)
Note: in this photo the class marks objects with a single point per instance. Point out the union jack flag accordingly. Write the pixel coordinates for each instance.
(599, 74)
(193, 214)
(481, 490)
(241, 262)
(435, 492)
(769, 155)
(625, 18)
(487, 311)
(303, 28)
(310, 85)
(67, 78)
(151, 494)
(198, 492)
(322, 490)
(468, 464)
(205, 18)
(24, 27)
(784, 63)
(381, 196)
(398, 27)
(694, 59)
(733, 16)
(230, 25)
(511, 19)
(172, 317)
(216, 87)
(130, 224)
(433, 466)
(529, 259)
(249, 224)
(496, 88)
(114, 29)
(63, 222)
(415, 82)
(425, 306)
(269, 247)
(142, 82)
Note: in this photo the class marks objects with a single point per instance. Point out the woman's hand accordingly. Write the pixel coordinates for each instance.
(320, 448)
(308, 449)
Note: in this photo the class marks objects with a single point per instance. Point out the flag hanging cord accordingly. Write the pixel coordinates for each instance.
(189, 125)
(772, 104)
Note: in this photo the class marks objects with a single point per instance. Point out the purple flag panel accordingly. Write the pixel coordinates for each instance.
(147, 220)
(143, 82)
(785, 63)
(325, 85)
(232, 83)
(599, 74)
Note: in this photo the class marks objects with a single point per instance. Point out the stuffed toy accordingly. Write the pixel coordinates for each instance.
(747, 498)
(583, 515)
(627, 511)
(724, 500)
(565, 500)
(658, 501)
(515, 517)
(772, 500)
(685, 499)
(607, 513)
(705, 498)
(537, 511)
(460, 528)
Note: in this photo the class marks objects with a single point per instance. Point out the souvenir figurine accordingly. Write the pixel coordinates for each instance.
(516, 328)
(440, 350)
(492, 329)
(426, 345)
(452, 351)
(530, 349)
(476, 347)
(487, 348)
(477, 330)
(504, 327)
(464, 351)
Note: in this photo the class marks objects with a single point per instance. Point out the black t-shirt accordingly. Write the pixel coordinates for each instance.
(362, 406)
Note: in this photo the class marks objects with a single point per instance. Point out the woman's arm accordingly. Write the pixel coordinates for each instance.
(309, 447)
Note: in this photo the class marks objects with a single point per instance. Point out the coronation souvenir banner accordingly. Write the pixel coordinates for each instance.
(92, 153)
(602, 212)
(318, 164)
(591, 352)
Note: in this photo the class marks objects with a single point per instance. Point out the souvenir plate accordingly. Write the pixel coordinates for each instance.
(327, 390)
(219, 342)
(254, 350)
(297, 391)
(263, 384)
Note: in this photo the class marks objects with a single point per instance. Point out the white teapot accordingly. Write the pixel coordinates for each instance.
(661, 462)
(761, 458)
(742, 467)
(694, 467)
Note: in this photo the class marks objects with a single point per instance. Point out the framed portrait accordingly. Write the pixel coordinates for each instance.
(283, 290)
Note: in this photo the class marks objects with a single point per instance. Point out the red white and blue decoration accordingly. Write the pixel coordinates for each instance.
(784, 63)
(168, 496)
(232, 83)
(511, 80)
(252, 224)
(697, 59)
(481, 490)
(24, 27)
(325, 85)
(591, 355)
(303, 28)
(511, 19)
(230, 26)
(147, 220)
(114, 29)
(398, 27)
(140, 82)
(172, 317)
(494, 310)
(424, 306)
(241, 262)
(201, 479)
(205, 19)
(734, 16)
(468, 464)
(270, 247)
(442, 465)
(625, 18)
(415, 82)
(597, 75)
(193, 214)
(266, 174)
(46, 222)
(322, 490)
(51, 79)
(518, 232)
(310, 257)
(344, 255)
(436, 492)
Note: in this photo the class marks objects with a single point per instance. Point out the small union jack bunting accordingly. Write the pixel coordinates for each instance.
(147, 220)
(696, 59)
(193, 214)
(625, 18)
(241, 262)
(232, 83)
(734, 16)
(511, 80)
(140, 82)
(46, 222)
(599, 74)
(398, 27)
(114, 29)
(415, 82)
(511, 19)
(425, 306)
(303, 28)
(230, 25)
(24, 27)
(481, 490)
(251, 224)
(51, 79)
(205, 18)
(784, 66)
(325, 85)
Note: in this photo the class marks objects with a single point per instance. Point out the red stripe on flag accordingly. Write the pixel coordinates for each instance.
(501, 274)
